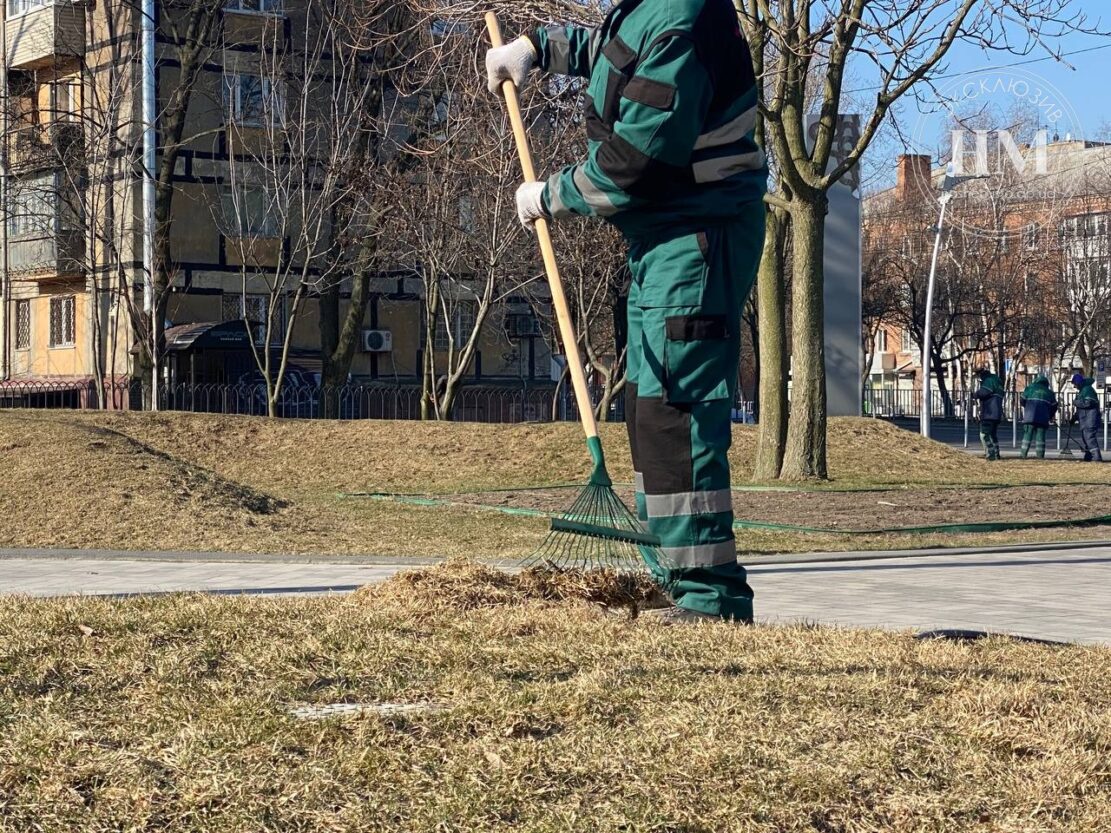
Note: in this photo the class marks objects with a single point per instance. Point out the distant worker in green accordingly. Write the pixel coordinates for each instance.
(1039, 406)
(671, 161)
(1086, 412)
(990, 397)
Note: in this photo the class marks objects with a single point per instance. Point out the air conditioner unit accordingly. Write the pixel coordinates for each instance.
(377, 341)
(523, 326)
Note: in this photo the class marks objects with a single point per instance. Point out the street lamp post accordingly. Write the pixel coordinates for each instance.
(947, 187)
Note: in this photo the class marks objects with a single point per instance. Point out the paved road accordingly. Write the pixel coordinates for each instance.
(1055, 594)
(951, 432)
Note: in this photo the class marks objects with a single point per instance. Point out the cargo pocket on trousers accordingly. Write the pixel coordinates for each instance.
(697, 358)
(672, 272)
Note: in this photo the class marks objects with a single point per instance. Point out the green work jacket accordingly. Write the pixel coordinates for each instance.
(670, 116)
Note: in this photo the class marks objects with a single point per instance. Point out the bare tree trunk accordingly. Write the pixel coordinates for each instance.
(428, 378)
(771, 304)
(942, 386)
(752, 320)
(615, 379)
(339, 340)
(805, 453)
(447, 400)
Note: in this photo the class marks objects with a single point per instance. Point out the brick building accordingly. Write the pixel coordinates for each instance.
(1026, 266)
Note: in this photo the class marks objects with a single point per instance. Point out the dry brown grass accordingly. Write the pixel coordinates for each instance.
(247, 484)
(461, 584)
(295, 456)
(173, 714)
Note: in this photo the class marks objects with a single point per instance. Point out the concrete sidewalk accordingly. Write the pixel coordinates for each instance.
(1056, 593)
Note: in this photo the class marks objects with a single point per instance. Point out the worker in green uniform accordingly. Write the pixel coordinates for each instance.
(990, 397)
(1039, 406)
(671, 161)
(1086, 413)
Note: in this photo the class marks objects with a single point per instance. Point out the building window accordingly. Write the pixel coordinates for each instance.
(22, 325)
(23, 6)
(249, 99)
(240, 307)
(907, 342)
(1086, 226)
(462, 325)
(881, 340)
(247, 213)
(253, 308)
(31, 210)
(1031, 236)
(67, 100)
(264, 6)
(62, 310)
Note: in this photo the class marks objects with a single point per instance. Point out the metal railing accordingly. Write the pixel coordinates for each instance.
(79, 394)
(359, 401)
(374, 400)
(962, 408)
(896, 404)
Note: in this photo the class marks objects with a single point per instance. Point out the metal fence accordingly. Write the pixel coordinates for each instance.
(905, 407)
(473, 403)
(363, 401)
(891, 404)
(895, 404)
(115, 395)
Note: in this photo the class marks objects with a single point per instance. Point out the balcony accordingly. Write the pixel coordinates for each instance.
(58, 144)
(42, 31)
(44, 256)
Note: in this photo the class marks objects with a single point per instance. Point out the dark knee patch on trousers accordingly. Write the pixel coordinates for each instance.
(631, 422)
(663, 439)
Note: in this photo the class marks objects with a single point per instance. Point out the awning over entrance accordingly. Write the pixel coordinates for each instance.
(228, 335)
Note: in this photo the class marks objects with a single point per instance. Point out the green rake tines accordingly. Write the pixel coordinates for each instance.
(598, 531)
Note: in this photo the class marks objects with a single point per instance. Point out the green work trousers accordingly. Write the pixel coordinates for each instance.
(1089, 444)
(1037, 433)
(688, 289)
(989, 436)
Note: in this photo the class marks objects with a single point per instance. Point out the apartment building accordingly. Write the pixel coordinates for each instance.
(74, 270)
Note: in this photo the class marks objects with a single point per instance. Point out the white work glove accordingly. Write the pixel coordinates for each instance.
(514, 60)
(530, 203)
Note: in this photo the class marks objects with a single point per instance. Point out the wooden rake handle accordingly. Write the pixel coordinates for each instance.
(543, 234)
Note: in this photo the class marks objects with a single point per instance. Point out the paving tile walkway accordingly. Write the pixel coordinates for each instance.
(1058, 594)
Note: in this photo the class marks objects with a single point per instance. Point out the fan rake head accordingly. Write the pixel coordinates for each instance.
(597, 532)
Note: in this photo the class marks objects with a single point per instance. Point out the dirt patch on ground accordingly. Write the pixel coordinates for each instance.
(924, 507)
(862, 510)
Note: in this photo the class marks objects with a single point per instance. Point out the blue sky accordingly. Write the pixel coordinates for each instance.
(1083, 80)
